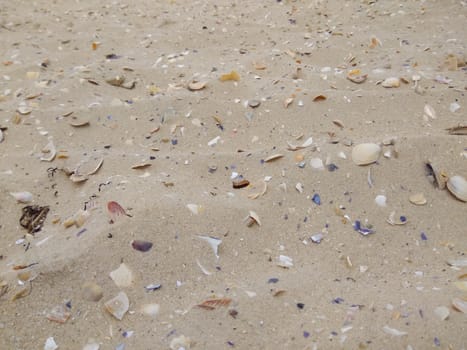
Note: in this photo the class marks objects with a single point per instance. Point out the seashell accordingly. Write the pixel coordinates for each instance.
(117, 81)
(24, 110)
(123, 276)
(198, 85)
(319, 98)
(92, 291)
(79, 122)
(299, 187)
(355, 77)
(273, 157)
(233, 75)
(118, 306)
(212, 304)
(141, 165)
(50, 344)
(442, 312)
(78, 178)
(59, 314)
(393, 331)
(429, 111)
(240, 182)
(284, 261)
(180, 343)
(194, 208)
(150, 309)
(392, 220)
(89, 166)
(457, 185)
(288, 101)
(459, 305)
(317, 163)
(1, 136)
(458, 262)
(141, 246)
(50, 151)
(436, 176)
(417, 199)
(213, 242)
(391, 82)
(366, 153)
(252, 219)
(458, 130)
(254, 103)
(22, 197)
(380, 200)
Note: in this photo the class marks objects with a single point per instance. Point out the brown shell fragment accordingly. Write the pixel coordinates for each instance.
(33, 217)
(79, 122)
(273, 157)
(458, 130)
(212, 304)
(240, 183)
(141, 166)
(357, 79)
(319, 98)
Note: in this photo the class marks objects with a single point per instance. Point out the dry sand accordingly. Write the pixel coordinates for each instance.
(341, 293)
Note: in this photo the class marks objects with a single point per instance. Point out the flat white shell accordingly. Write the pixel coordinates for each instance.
(150, 309)
(380, 200)
(118, 306)
(457, 185)
(366, 153)
(123, 276)
(22, 197)
(391, 82)
(442, 312)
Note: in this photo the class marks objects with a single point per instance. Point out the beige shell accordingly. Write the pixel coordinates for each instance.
(366, 153)
(435, 175)
(123, 276)
(198, 85)
(457, 185)
(391, 82)
(273, 157)
(417, 199)
(118, 306)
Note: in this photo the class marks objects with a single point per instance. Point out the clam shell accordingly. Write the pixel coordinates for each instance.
(366, 153)
(118, 306)
(76, 178)
(252, 219)
(459, 305)
(89, 166)
(24, 110)
(79, 122)
(457, 185)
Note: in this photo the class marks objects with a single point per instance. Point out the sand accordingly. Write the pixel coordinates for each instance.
(348, 291)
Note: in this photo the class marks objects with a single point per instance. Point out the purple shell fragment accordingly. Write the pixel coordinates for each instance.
(361, 229)
(316, 199)
(142, 246)
(423, 236)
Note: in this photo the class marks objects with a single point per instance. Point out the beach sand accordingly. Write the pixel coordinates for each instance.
(350, 290)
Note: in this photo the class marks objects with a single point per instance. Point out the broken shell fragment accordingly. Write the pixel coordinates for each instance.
(118, 306)
(49, 152)
(417, 199)
(252, 219)
(141, 165)
(58, 314)
(284, 261)
(214, 242)
(442, 312)
(436, 176)
(24, 110)
(233, 75)
(141, 246)
(366, 153)
(22, 197)
(123, 276)
(254, 103)
(288, 101)
(89, 166)
(457, 185)
(180, 343)
(196, 85)
(391, 82)
(150, 309)
(79, 122)
(273, 157)
(392, 220)
(459, 305)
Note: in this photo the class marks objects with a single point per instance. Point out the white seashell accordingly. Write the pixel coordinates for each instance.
(391, 82)
(150, 309)
(213, 242)
(366, 153)
(1, 136)
(118, 306)
(214, 141)
(317, 163)
(442, 312)
(284, 261)
(380, 200)
(454, 107)
(89, 166)
(24, 110)
(342, 155)
(49, 152)
(299, 187)
(308, 142)
(194, 208)
(457, 185)
(22, 197)
(123, 276)
(393, 331)
(429, 111)
(50, 344)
